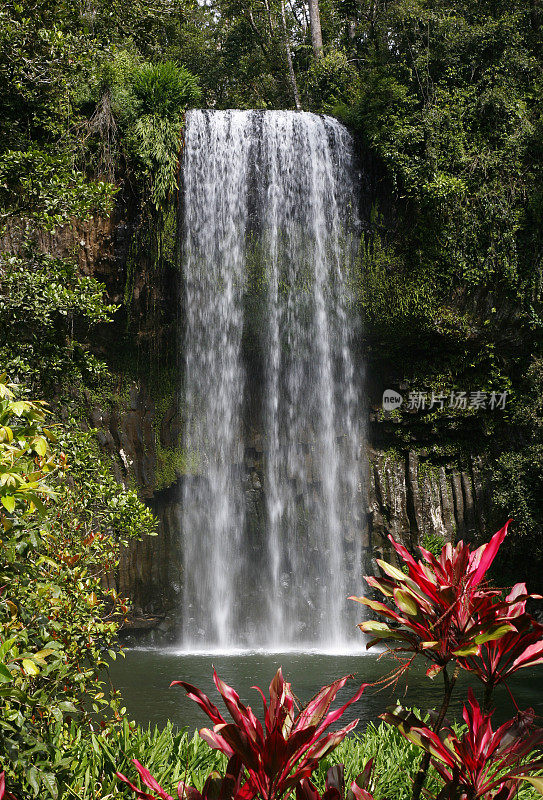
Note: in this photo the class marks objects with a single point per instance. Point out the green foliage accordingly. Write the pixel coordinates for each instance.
(169, 753)
(162, 93)
(43, 300)
(42, 185)
(25, 458)
(63, 521)
(433, 542)
(454, 131)
(517, 476)
(157, 143)
(391, 296)
(146, 102)
(165, 90)
(332, 81)
(395, 760)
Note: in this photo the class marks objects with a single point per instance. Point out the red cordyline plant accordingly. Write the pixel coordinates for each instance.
(518, 648)
(215, 787)
(274, 758)
(335, 785)
(4, 795)
(444, 610)
(481, 763)
(441, 608)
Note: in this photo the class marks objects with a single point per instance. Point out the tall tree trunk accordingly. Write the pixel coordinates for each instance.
(316, 32)
(292, 74)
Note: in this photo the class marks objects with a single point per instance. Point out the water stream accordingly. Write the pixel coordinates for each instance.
(270, 219)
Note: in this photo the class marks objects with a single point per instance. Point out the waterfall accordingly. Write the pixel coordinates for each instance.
(270, 225)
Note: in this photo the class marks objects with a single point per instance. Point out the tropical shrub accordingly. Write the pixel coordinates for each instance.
(481, 763)
(520, 647)
(335, 785)
(43, 300)
(444, 609)
(61, 529)
(143, 105)
(165, 89)
(267, 761)
(331, 81)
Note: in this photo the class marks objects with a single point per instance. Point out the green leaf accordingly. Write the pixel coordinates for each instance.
(493, 633)
(405, 602)
(18, 408)
(30, 667)
(67, 707)
(5, 674)
(50, 781)
(9, 503)
(535, 780)
(466, 650)
(39, 445)
(6, 646)
(380, 629)
(392, 572)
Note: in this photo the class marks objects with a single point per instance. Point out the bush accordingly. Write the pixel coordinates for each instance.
(63, 520)
(331, 81)
(165, 90)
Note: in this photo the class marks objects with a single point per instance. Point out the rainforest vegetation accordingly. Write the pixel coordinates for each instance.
(444, 98)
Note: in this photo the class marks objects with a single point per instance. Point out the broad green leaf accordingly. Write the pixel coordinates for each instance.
(9, 503)
(67, 707)
(373, 604)
(5, 674)
(37, 503)
(380, 629)
(494, 633)
(39, 445)
(6, 434)
(535, 780)
(466, 650)
(51, 782)
(44, 653)
(50, 435)
(6, 646)
(392, 572)
(405, 602)
(30, 667)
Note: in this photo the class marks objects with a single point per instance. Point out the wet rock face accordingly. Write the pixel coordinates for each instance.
(99, 245)
(414, 500)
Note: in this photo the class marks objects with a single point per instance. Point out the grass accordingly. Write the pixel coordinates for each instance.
(172, 755)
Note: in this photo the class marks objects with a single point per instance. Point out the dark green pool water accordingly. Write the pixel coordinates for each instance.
(144, 676)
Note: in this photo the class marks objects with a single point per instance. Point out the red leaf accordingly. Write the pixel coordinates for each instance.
(203, 701)
(486, 554)
(186, 792)
(150, 781)
(305, 790)
(139, 793)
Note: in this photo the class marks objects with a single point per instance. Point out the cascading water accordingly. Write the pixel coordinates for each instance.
(270, 212)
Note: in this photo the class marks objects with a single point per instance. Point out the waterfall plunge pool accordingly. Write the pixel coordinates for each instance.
(144, 676)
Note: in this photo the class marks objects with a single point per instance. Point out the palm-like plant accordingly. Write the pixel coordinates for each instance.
(289, 746)
(335, 785)
(440, 609)
(225, 788)
(520, 647)
(482, 763)
(268, 761)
